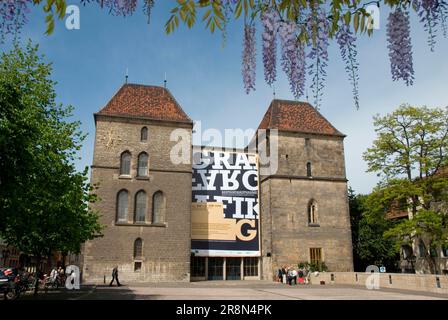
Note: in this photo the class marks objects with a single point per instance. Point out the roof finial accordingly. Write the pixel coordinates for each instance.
(164, 82)
(273, 91)
(307, 95)
(126, 76)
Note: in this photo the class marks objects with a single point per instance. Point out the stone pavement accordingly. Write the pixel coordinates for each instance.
(232, 290)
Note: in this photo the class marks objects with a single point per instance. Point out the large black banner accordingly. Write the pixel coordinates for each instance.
(225, 211)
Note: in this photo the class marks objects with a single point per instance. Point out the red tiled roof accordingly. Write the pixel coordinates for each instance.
(296, 116)
(145, 101)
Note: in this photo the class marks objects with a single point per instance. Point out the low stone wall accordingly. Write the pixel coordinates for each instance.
(416, 282)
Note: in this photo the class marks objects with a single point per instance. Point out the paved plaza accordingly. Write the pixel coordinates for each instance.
(233, 290)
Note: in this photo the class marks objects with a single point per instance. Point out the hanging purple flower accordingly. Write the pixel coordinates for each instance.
(318, 28)
(428, 12)
(120, 7)
(443, 15)
(249, 58)
(147, 8)
(400, 47)
(13, 16)
(269, 20)
(347, 45)
(293, 57)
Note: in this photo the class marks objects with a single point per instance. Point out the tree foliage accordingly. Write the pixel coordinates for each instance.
(410, 154)
(305, 27)
(44, 201)
(368, 224)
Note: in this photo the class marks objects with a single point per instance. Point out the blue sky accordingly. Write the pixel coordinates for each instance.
(205, 77)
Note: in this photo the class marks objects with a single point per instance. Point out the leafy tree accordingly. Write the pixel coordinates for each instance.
(44, 201)
(410, 153)
(368, 226)
(303, 28)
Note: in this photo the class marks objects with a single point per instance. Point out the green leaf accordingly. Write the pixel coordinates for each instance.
(356, 21)
(347, 18)
(49, 19)
(238, 9)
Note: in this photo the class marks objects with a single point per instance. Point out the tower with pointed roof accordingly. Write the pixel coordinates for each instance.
(304, 204)
(145, 198)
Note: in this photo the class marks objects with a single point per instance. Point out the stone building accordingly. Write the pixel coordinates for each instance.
(146, 199)
(304, 205)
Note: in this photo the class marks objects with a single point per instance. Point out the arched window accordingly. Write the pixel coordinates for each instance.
(144, 134)
(421, 248)
(158, 207)
(308, 169)
(122, 206)
(142, 165)
(140, 206)
(125, 163)
(312, 212)
(138, 248)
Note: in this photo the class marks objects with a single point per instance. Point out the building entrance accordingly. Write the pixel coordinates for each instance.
(224, 268)
(215, 269)
(233, 268)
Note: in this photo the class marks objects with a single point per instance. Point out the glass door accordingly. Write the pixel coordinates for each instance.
(215, 268)
(233, 268)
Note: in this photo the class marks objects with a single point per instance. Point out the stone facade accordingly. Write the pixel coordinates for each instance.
(287, 235)
(166, 246)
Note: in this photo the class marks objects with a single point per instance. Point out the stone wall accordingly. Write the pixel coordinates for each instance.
(417, 282)
(286, 232)
(166, 246)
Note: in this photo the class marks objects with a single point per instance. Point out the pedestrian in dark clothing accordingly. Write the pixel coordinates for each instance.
(115, 276)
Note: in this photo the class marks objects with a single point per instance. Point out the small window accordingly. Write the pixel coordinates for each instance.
(125, 163)
(307, 142)
(144, 134)
(142, 165)
(197, 266)
(422, 249)
(308, 169)
(137, 266)
(158, 207)
(250, 266)
(316, 256)
(445, 251)
(140, 206)
(138, 249)
(433, 252)
(122, 206)
(312, 212)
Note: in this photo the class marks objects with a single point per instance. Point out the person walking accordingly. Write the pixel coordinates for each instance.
(284, 275)
(115, 276)
(294, 276)
(279, 275)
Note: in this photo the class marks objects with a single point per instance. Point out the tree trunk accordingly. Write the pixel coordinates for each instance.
(36, 280)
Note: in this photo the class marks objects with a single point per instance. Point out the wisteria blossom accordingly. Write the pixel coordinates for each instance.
(347, 45)
(428, 12)
(13, 16)
(400, 48)
(293, 57)
(269, 20)
(304, 33)
(249, 58)
(318, 55)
